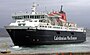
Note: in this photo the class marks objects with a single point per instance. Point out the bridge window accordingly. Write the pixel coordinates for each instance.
(17, 17)
(37, 16)
(20, 17)
(42, 16)
(26, 16)
(31, 16)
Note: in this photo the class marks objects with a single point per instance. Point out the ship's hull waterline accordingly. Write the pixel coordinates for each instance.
(28, 37)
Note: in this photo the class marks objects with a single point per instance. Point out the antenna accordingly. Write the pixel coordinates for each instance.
(45, 9)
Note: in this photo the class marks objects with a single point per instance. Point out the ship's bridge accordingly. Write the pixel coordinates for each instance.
(29, 19)
(28, 16)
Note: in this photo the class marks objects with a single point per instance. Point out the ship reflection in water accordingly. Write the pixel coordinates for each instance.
(80, 47)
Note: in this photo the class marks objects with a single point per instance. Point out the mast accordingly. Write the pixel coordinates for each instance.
(34, 8)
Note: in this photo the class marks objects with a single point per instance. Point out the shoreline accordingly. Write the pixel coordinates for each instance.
(61, 53)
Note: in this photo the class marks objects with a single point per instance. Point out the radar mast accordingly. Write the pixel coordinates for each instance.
(34, 8)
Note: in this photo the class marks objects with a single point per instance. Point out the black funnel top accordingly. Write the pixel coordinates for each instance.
(61, 11)
(61, 7)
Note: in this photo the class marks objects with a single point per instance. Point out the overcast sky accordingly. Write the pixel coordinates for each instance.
(78, 11)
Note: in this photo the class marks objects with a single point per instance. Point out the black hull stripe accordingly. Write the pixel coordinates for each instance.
(24, 37)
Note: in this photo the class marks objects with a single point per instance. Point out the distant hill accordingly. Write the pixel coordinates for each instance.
(88, 32)
(3, 33)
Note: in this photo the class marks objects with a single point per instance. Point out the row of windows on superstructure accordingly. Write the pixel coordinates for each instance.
(27, 16)
(46, 26)
(21, 24)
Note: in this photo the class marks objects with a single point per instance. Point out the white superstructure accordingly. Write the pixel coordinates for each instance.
(44, 21)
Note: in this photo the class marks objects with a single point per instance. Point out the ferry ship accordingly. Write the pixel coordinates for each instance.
(39, 28)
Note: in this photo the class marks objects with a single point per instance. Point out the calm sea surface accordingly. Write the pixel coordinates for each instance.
(6, 43)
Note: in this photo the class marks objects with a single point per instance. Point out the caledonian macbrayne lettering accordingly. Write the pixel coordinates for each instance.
(65, 38)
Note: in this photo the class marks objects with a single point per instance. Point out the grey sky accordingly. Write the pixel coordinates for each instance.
(78, 11)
